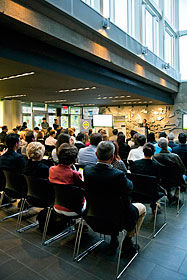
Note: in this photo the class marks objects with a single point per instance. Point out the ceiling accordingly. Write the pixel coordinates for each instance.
(44, 86)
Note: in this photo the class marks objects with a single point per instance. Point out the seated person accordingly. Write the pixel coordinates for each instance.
(62, 138)
(29, 137)
(64, 175)
(172, 169)
(117, 163)
(157, 148)
(79, 143)
(51, 141)
(181, 149)
(171, 142)
(11, 160)
(147, 166)
(124, 148)
(151, 138)
(35, 167)
(114, 136)
(137, 153)
(111, 187)
(87, 156)
(130, 141)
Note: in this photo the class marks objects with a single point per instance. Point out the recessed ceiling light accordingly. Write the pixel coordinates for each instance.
(110, 97)
(104, 97)
(73, 89)
(76, 89)
(128, 96)
(86, 88)
(98, 98)
(80, 88)
(140, 102)
(122, 96)
(17, 76)
(136, 99)
(150, 101)
(116, 96)
(93, 87)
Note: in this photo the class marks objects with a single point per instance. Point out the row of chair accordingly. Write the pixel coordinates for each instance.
(40, 193)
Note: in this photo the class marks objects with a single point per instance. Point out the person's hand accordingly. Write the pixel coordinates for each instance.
(3, 151)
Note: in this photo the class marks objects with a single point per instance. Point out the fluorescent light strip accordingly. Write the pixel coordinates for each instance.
(54, 101)
(17, 76)
(76, 89)
(126, 100)
(12, 96)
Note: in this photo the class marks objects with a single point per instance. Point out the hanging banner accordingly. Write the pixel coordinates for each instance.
(85, 125)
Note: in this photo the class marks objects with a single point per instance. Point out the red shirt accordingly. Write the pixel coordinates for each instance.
(63, 174)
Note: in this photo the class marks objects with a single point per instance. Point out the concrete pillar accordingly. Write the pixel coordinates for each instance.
(10, 113)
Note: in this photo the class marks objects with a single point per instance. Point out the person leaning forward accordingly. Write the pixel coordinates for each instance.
(111, 185)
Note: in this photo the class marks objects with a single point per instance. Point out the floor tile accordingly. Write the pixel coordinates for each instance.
(160, 273)
(25, 274)
(8, 268)
(183, 268)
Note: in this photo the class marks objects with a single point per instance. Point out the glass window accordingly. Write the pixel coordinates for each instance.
(121, 14)
(106, 9)
(26, 109)
(75, 122)
(51, 120)
(88, 112)
(65, 110)
(64, 121)
(75, 110)
(149, 30)
(182, 13)
(183, 57)
(38, 108)
(27, 119)
(38, 120)
(168, 48)
(51, 110)
(169, 8)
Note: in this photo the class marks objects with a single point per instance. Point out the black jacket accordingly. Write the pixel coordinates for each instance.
(181, 151)
(12, 161)
(37, 169)
(112, 191)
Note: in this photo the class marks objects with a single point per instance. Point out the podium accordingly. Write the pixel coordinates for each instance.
(141, 130)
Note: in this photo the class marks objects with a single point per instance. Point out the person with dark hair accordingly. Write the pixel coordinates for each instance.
(44, 125)
(64, 175)
(137, 153)
(24, 126)
(35, 132)
(62, 138)
(124, 148)
(151, 138)
(90, 131)
(130, 141)
(3, 134)
(157, 148)
(11, 160)
(181, 149)
(51, 141)
(55, 125)
(87, 156)
(114, 136)
(80, 141)
(172, 170)
(147, 166)
(117, 162)
(111, 189)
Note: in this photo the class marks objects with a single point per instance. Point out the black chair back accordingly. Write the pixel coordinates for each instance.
(2, 180)
(69, 196)
(40, 192)
(146, 188)
(16, 186)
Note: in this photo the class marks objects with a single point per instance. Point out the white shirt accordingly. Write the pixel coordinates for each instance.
(50, 141)
(136, 154)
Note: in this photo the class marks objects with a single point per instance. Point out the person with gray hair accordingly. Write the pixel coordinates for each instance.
(35, 167)
(171, 142)
(157, 147)
(111, 189)
(172, 169)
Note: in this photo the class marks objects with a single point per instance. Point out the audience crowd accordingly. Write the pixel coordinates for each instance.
(57, 154)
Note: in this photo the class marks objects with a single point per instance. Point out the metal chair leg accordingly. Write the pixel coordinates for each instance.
(154, 234)
(46, 224)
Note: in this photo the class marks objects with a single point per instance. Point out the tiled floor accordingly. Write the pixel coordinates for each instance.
(23, 257)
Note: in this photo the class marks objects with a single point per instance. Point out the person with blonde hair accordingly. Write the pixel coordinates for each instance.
(35, 167)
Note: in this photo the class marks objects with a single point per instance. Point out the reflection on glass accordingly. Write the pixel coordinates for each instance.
(183, 57)
(121, 14)
(168, 48)
(51, 120)
(75, 122)
(75, 110)
(64, 122)
(149, 31)
(38, 120)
